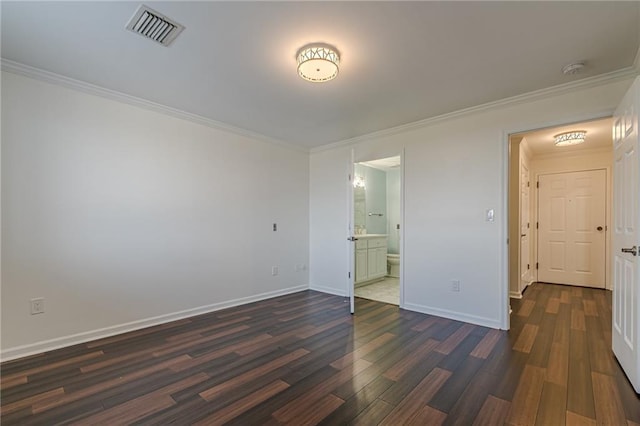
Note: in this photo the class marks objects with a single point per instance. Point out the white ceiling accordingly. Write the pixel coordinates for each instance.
(400, 61)
(384, 164)
(541, 142)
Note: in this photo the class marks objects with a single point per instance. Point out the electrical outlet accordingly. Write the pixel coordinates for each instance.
(455, 285)
(37, 306)
(274, 270)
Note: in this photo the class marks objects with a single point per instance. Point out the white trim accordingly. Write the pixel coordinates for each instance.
(328, 290)
(503, 239)
(92, 89)
(74, 339)
(515, 295)
(401, 246)
(351, 226)
(458, 316)
(573, 86)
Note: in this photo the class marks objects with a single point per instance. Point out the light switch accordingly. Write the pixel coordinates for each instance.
(490, 215)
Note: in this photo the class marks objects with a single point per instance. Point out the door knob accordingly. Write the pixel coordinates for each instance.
(633, 250)
(599, 228)
(523, 235)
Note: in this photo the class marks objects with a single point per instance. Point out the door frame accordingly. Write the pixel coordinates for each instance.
(505, 316)
(351, 245)
(350, 211)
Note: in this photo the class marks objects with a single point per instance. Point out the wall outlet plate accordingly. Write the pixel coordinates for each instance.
(37, 305)
(455, 285)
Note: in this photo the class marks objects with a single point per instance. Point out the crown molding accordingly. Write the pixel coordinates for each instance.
(92, 89)
(585, 83)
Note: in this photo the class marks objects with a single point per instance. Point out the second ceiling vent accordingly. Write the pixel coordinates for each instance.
(153, 25)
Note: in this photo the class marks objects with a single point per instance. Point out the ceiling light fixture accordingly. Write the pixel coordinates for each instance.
(573, 68)
(318, 63)
(570, 138)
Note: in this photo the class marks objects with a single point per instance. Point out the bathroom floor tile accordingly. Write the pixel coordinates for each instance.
(387, 291)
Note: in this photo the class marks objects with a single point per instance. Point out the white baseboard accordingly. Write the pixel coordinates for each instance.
(515, 295)
(87, 336)
(328, 290)
(458, 316)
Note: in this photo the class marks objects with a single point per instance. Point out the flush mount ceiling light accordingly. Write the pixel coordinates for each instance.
(570, 138)
(318, 63)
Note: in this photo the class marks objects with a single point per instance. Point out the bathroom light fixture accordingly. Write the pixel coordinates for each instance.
(318, 63)
(570, 138)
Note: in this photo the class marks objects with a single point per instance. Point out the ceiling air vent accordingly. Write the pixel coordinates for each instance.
(155, 26)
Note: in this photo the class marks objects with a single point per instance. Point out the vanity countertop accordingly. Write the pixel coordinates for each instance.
(370, 235)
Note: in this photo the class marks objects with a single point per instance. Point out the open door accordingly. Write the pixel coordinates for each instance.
(525, 223)
(351, 234)
(626, 239)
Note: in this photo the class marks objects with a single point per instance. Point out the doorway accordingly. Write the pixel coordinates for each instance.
(534, 225)
(377, 211)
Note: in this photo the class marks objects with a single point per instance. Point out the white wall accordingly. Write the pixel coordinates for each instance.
(375, 198)
(328, 211)
(393, 210)
(455, 169)
(121, 217)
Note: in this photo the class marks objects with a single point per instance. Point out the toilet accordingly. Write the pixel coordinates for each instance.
(393, 265)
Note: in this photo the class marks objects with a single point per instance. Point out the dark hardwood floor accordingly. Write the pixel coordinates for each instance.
(303, 359)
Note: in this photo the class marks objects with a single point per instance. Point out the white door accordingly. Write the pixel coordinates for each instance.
(525, 231)
(351, 234)
(571, 235)
(626, 215)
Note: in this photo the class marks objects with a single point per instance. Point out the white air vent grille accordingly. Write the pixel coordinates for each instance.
(153, 25)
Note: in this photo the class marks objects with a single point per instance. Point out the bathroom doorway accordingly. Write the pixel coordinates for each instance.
(377, 214)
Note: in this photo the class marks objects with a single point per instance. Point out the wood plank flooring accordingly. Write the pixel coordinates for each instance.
(302, 359)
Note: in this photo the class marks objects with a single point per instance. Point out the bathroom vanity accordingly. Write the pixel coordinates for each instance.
(370, 257)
